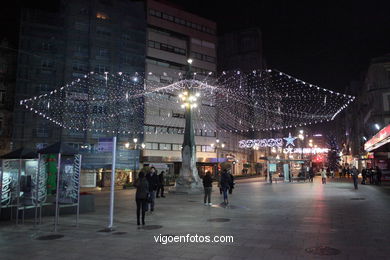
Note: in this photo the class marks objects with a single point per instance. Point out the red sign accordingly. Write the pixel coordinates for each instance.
(381, 138)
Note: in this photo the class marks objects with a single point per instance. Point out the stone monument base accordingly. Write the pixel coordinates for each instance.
(193, 188)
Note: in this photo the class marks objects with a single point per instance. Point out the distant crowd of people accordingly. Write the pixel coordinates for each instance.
(151, 186)
(373, 175)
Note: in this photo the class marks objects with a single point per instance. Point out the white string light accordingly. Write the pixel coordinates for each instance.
(231, 102)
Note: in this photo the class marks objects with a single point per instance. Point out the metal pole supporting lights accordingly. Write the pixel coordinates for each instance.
(216, 146)
(301, 137)
(188, 180)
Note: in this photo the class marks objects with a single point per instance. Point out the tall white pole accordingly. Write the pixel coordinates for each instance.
(57, 213)
(1, 185)
(18, 191)
(111, 223)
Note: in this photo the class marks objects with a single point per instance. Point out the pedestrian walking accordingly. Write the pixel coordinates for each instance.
(225, 184)
(152, 179)
(355, 176)
(141, 196)
(208, 186)
(364, 175)
(231, 186)
(378, 176)
(219, 182)
(311, 174)
(323, 175)
(369, 175)
(160, 187)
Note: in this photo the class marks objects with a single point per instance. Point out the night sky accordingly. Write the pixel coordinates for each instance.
(328, 43)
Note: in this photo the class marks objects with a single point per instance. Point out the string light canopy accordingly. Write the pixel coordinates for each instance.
(120, 103)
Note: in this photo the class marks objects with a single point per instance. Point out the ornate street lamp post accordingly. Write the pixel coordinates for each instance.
(188, 180)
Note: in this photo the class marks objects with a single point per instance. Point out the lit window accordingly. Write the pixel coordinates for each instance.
(102, 16)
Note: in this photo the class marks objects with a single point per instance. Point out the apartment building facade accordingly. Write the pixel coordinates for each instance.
(173, 36)
(58, 47)
(7, 86)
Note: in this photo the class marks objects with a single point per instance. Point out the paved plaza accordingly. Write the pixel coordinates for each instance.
(278, 221)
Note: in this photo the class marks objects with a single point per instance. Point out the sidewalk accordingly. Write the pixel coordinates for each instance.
(278, 221)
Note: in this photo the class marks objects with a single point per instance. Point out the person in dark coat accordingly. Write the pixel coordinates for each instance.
(231, 186)
(225, 185)
(311, 174)
(153, 184)
(141, 196)
(355, 175)
(207, 185)
(364, 175)
(160, 187)
(370, 175)
(378, 175)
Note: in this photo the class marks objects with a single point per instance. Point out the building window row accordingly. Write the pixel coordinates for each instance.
(204, 57)
(103, 31)
(181, 21)
(80, 67)
(166, 47)
(203, 43)
(166, 32)
(166, 64)
(153, 129)
(99, 68)
(176, 147)
(202, 71)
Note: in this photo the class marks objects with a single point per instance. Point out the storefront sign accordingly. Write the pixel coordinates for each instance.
(381, 138)
(305, 150)
(272, 167)
(273, 142)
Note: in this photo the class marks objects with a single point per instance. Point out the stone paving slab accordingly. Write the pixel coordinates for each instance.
(278, 221)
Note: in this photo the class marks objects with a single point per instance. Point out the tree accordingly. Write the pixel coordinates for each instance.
(333, 154)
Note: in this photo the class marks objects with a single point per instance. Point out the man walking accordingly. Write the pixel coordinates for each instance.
(160, 188)
(364, 175)
(152, 179)
(355, 176)
(378, 176)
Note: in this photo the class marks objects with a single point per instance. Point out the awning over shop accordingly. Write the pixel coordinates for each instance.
(379, 140)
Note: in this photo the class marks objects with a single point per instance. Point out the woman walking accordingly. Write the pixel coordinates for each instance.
(207, 185)
(225, 185)
(323, 175)
(141, 196)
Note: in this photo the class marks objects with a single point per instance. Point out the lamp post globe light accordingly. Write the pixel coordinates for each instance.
(188, 181)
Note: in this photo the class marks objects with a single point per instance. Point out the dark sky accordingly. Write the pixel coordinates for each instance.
(328, 43)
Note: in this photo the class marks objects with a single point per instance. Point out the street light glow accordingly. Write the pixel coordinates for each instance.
(189, 61)
(135, 140)
(377, 126)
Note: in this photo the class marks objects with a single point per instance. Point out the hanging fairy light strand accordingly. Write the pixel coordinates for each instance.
(230, 102)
